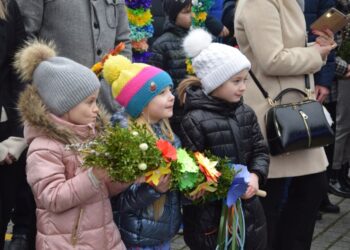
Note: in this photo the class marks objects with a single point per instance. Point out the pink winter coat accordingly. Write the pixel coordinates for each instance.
(72, 213)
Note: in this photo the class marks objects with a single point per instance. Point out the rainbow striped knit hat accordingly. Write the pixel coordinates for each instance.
(134, 85)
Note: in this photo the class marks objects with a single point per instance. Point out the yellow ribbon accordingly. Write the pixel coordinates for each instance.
(207, 186)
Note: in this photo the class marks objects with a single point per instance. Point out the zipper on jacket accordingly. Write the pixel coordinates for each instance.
(75, 229)
(305, 117)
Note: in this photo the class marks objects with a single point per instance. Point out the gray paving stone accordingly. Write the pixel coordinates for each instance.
(331, 233)
(338, 248)
(178, 243)
(342, 244)
(346, 238)
(335, 199)
(318, 247)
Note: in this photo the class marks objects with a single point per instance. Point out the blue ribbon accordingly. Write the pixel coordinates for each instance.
(239, 185)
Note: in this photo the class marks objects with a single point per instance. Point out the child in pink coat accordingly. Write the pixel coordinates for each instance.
(58, 109)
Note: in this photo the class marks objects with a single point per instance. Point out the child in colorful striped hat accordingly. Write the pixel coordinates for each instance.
(148, 216)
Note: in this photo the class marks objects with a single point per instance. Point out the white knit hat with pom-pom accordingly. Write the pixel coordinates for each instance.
(213, 63)
(62, 83)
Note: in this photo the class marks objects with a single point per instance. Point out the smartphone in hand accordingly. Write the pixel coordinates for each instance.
(332, 19)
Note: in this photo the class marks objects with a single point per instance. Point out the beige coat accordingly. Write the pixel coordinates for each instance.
(272, 34)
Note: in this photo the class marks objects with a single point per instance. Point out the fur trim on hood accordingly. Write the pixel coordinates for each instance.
(35, 114)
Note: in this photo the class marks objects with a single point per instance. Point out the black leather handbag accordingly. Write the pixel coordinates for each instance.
(295, 126)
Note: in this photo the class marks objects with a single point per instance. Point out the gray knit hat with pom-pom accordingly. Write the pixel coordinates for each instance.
(62, 83)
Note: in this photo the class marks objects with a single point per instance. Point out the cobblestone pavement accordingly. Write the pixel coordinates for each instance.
(331, 233)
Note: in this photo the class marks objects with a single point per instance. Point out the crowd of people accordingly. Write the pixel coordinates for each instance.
(50, 98)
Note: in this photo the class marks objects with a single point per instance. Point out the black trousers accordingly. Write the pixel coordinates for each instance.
(9, 176)
(291, 207)
(23, 216)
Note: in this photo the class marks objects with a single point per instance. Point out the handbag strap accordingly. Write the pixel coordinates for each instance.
(266, 94)
(307, 82)
(257, 82)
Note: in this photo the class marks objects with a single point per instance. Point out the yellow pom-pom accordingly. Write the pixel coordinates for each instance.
(113, 66)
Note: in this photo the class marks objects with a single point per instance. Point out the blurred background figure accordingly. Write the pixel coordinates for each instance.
(339, 183)
(275, 44)
(83, 31)
(12, 144)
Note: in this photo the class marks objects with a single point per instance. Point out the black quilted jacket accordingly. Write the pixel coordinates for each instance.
(12, 35)
(168, 53)
(227, 130)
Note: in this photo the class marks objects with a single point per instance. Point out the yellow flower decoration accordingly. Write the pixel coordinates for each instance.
(207, 167)
(97, 68)
(139, 19)
(201, 17)
(189, 67)
(153, 177)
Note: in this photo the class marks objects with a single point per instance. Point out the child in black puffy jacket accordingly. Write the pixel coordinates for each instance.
(216, 119)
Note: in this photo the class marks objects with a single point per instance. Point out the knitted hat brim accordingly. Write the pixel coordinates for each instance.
(223, 73)
(145, 95)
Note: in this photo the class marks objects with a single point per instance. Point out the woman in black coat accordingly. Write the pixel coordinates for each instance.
(11, 135)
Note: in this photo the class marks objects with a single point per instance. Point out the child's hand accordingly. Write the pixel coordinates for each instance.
(253, 187)
(164, 184)
(224, 32)
(9, 159)
(197, 195)
(140, 180)
(100, 174)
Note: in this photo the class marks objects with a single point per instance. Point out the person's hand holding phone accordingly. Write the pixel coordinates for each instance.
(323, 50)
(324, 42)
(325, 38)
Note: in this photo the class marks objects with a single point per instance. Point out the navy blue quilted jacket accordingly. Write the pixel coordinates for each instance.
(133, 213)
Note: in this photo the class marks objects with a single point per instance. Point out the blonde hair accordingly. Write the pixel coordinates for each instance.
(185, 84)
(158, 205)
(3, 10)
(164, 126)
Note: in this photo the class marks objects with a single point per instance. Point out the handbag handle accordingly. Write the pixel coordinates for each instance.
(283, 92)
